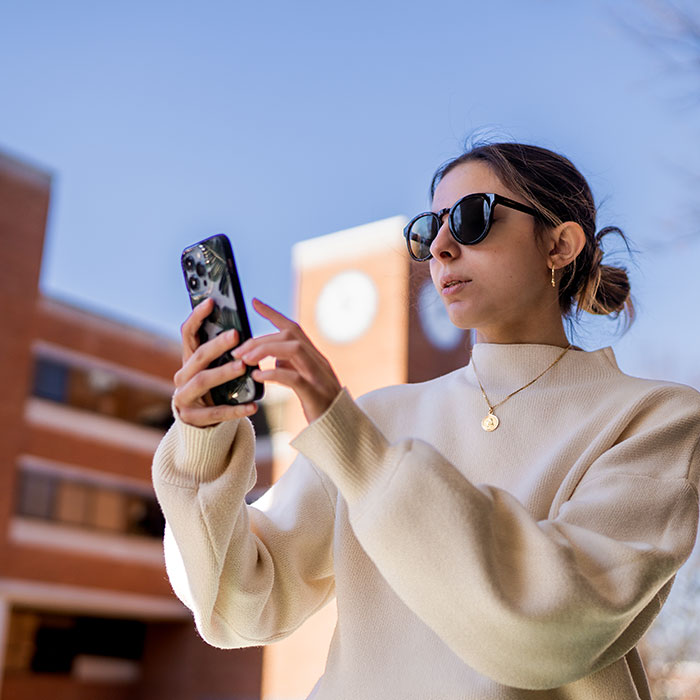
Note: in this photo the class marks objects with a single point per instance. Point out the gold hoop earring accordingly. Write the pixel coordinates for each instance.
(554, 284)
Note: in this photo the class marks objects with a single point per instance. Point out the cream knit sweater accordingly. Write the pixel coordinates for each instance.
(522, 563)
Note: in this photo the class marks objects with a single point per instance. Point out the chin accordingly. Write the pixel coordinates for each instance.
(467, 315)
(462, 318)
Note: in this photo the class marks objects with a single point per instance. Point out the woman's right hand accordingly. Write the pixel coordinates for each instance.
(193, 380)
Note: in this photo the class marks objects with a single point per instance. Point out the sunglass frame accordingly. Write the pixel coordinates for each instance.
(491, 198)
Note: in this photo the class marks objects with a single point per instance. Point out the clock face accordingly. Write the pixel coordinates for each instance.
(347, 306)
(435, 320)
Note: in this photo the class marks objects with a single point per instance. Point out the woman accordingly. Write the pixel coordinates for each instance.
(508, 530)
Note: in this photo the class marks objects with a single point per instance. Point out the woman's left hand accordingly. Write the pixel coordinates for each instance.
(298, 363)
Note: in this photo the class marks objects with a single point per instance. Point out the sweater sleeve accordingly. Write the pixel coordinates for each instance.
(531, 604)
(251, 574)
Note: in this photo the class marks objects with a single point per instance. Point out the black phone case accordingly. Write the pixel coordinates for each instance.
(210, 271)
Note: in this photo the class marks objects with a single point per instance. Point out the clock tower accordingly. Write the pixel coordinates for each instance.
(374, 313)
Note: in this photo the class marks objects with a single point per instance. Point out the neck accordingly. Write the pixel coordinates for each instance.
(542, 335)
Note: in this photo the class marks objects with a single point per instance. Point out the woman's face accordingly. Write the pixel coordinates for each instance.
(505, 282)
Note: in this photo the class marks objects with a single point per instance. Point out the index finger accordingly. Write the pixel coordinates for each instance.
(277, 319)
(188, 330)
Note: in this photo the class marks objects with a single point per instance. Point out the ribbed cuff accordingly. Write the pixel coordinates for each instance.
(345, 444)
(189, 455)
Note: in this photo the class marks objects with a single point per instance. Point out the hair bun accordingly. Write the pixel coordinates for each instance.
(613, 293)
(606, 290)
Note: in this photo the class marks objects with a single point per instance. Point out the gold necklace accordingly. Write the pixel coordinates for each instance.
(491, 421)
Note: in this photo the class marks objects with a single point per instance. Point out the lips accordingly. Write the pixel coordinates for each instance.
(451, 285)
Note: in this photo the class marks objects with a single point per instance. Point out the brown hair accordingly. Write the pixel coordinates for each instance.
(553, 186)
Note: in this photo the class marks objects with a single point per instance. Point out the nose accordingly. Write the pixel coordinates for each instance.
(444, 245)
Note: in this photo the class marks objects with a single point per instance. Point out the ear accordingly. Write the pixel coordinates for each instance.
(565, 242)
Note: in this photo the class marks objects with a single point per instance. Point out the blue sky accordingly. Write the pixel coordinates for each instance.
(165, 122)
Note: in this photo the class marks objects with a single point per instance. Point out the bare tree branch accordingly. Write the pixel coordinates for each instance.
(670, 30)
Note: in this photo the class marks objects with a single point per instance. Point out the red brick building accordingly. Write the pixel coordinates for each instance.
(86, 610)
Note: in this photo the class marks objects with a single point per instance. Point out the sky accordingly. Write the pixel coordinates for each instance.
(165, 122)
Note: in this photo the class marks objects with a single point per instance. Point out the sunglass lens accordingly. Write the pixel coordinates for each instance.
(469, 219)
(421, 234)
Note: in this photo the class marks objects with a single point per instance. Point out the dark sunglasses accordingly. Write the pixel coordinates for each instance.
(469, 222)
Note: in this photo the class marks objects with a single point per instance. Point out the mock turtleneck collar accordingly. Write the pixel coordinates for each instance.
(503, 368)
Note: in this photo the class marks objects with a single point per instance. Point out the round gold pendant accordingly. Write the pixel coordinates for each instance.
(490, 423)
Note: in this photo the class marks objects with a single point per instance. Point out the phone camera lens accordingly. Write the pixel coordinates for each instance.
(194, 283)
(189, 263)
(201, 270)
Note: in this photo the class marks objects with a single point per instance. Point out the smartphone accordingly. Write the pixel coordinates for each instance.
(210, 271)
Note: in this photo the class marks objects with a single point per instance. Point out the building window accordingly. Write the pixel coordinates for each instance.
(101, 391)
(42, 642)
(72, 501)
(109, 510)
(50, 380)
(37, 494)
